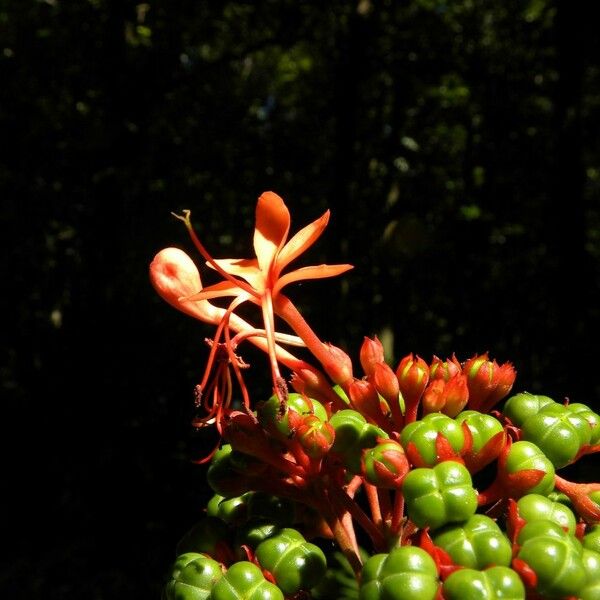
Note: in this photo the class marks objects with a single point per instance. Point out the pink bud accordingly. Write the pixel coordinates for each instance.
(371, 353)
(174, 276)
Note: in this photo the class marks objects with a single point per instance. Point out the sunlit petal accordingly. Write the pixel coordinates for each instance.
(300, 242)
(272, 226)
(246, 268)
(313, 272)
(218, 290)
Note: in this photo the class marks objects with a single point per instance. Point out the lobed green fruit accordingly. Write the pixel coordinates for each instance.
(441, 495)
(251, 534)
(555, 557)
(591, 539)
(245, 581)
(591, 565)
(560, 434)
(535, 507)
(483, 427)
(525, 455)
(520, 406)
(230, 510)
(204, 536)
(406, 573)
(478, 543)
(192, 577)
(423, 434)
(590, 416)
(294, 563)
(492, 584)
(224, 476)
(352, 435)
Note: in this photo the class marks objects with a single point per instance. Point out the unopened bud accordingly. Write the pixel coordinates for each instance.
(371, 353)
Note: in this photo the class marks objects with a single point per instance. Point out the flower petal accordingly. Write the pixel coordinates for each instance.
(313, 272)
(218, 290)
(300, 242)
(246, 268)
(272, 226)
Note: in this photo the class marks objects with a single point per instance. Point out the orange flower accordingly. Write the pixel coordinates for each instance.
(262, 275)
(260, 279)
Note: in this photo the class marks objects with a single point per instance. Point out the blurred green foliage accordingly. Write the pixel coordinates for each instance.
(455, 142)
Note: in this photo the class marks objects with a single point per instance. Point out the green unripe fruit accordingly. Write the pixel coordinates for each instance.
(523, 405)
(444, 494)
(352, 435)
(230, 510)
(252, 534)
(294, 563)
(483, 427)
(406, 573)
(590, 416)
(591, 564)
(476, 544)
(204, 536)
(533, 507)
(193, 577)
(560, 435)
(523, 456)
(223, 477)
(276, 422)
(492, 584)
(557, 565)
(591, 540)
(423, 434)
(385, 465)
(245, 581)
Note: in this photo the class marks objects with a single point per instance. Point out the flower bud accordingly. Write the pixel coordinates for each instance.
(371, 353)
(413, 376)
(174, 276)
(365, 399)
(445, 370)
(314, 435)
(338, 366)
(385, 465)
(488, 381)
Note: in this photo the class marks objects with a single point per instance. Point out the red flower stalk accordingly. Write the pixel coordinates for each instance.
(579, 494)
(488, 381)
(413, 376)
(371, 353)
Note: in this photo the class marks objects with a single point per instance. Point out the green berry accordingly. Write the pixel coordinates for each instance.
(406, 573)
(524, 456)
(492, 584)
(520, 406)
(441, 495)
(478, 543)
(192, 577)
(533, 507)
(245, 581)
(294, 563)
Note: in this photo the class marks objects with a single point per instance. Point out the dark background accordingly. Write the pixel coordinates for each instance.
(457, 144)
